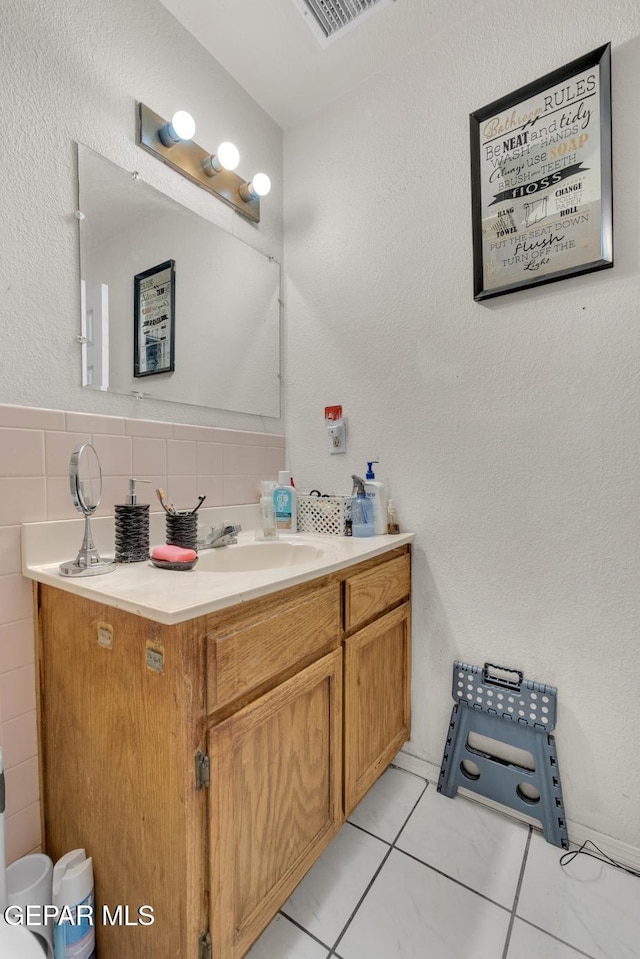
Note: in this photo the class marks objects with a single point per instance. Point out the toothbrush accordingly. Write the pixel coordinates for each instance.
(167, 507)
(3, 858)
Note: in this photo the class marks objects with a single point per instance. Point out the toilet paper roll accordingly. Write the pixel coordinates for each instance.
(29, 883)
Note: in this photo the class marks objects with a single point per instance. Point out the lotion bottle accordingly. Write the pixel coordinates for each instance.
(376, 492)
(285, 504)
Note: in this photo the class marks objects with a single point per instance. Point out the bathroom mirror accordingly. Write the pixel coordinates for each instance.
(225, 311)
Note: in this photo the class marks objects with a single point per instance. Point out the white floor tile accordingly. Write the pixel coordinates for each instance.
(386, 806)
(282, 940)
(412, 912)
(479, 847)
(529, 943)
(592, 906)
(329, 893)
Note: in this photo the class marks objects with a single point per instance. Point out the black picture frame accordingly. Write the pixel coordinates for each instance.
(154, 320)
(541, 190)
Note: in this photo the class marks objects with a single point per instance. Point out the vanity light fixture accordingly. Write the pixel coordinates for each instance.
(173, 144)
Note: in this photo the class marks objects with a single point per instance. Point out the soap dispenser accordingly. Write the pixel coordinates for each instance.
(376, 492)
(361, 510)
(132, 527)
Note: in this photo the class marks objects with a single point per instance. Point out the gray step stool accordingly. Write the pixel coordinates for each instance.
(500, 704)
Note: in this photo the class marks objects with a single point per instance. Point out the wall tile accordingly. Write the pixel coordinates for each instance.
(181, 457)
(182, 491)
(241, 489)
(35, 449)
(17, 645)
(274, 461)
(23, 788)
(94, 423)
(16, 598)
(115, 489)
(149, 456)
(204, 434)
(249, 460)
(58, 448)
(275, 439)
(114, 453)
(213, 488)
(17, 692)
(21, 452)
(22, 500)
(209, 458)
(31, 418)
(19, 739)
(149, 428)
(23, 832)
(59, 500)
(10, 550)
(239, 437)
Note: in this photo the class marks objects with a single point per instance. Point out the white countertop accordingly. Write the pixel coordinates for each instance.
(168, 596)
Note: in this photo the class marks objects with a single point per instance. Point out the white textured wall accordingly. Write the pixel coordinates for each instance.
(72, 71)
(509, 431)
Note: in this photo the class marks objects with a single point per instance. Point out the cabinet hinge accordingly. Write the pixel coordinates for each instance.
(204, 946)
(202, 770)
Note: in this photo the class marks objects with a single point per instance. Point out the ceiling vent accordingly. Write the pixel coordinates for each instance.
(329, 19)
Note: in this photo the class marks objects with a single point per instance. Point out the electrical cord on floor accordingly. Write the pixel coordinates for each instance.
(602, 856)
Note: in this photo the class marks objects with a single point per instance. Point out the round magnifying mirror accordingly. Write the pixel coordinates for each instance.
(85, 481)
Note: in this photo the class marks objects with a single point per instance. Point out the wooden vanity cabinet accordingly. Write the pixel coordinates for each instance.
(205, 766)
(377, 671)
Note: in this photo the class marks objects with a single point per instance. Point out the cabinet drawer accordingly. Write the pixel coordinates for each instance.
(371, 592)
(254, 645)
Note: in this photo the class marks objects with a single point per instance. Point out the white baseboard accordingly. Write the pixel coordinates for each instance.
(619, 851)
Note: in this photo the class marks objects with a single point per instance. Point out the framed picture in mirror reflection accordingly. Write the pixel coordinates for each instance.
(154, 320)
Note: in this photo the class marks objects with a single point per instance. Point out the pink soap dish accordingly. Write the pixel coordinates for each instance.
(173, 557)
(164, 564)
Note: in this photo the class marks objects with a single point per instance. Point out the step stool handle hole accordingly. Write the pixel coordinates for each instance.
(528, 793)
(470, 770)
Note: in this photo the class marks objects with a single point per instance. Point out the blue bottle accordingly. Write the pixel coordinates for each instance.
(361, 510)
(285, 504)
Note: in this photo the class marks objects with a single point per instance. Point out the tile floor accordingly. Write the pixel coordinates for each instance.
(414, 875)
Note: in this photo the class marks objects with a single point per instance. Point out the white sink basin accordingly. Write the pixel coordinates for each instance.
(248, 557)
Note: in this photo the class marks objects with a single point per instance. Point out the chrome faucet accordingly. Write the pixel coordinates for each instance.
(224, 535)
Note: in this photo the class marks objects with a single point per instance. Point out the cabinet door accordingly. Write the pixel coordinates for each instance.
(377, 700)
(275, 800)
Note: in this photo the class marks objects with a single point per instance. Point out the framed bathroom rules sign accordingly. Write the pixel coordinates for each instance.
(154, 307)
(541, 179)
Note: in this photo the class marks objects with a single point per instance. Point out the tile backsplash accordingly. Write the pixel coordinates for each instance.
(35, 448)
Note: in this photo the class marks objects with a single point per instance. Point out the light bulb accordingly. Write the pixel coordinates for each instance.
(260, 184)
(183, 124)
(228, 155)
(182, 127)
(225, 158)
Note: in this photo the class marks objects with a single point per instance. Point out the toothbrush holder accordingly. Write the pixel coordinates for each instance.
(182, 530)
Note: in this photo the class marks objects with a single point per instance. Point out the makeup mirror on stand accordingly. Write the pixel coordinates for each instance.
(85, 480)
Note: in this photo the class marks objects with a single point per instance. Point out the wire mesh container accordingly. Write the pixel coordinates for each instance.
(182, 530)
(323, 514)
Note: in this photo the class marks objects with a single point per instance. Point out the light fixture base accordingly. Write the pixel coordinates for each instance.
(187, 158)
